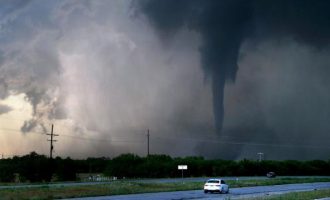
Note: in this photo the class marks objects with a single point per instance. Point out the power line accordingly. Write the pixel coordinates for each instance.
(245, 143)
(104, 140)
(229, 139)
(206, 140)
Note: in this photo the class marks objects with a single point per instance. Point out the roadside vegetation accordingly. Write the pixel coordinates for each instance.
(35, 168)
(317, 194)
(131, 187)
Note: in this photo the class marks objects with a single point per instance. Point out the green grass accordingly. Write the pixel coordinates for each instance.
(297, 195)
(275, 181)
(114, 188)
(129, 187)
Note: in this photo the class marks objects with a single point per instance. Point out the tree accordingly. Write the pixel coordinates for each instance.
(34, 167)
(6, 171)
(124, 166)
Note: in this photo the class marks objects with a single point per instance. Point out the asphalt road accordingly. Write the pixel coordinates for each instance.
(161, 180)
(235, 193)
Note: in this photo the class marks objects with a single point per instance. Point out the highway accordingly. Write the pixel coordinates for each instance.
(161, 180)
(235, 193)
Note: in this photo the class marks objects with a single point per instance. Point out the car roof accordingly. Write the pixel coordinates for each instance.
(214, 179)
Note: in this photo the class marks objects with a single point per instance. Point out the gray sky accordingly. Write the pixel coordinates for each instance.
(103, 75)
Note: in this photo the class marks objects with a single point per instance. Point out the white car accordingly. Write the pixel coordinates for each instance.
(216, 185)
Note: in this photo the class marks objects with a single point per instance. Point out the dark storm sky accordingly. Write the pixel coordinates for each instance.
(239, 76)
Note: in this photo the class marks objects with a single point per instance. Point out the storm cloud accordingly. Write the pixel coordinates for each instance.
(101, 76)
(4, 109)
(231, 32)
(225, 25)
(238, 77)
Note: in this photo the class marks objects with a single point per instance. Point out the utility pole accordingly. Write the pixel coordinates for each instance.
(52, 135)
(148, 136)
(260, 156)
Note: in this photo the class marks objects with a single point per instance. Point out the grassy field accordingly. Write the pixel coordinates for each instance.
(297, 195)
(127, 187)
(275, 181)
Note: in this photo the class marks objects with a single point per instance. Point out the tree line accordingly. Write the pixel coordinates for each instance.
(38, 168)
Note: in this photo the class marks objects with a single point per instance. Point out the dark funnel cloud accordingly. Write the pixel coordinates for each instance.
(222, 25)
(255, 71)
(225, 24)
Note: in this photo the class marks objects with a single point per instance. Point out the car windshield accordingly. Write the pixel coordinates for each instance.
(213, 181)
